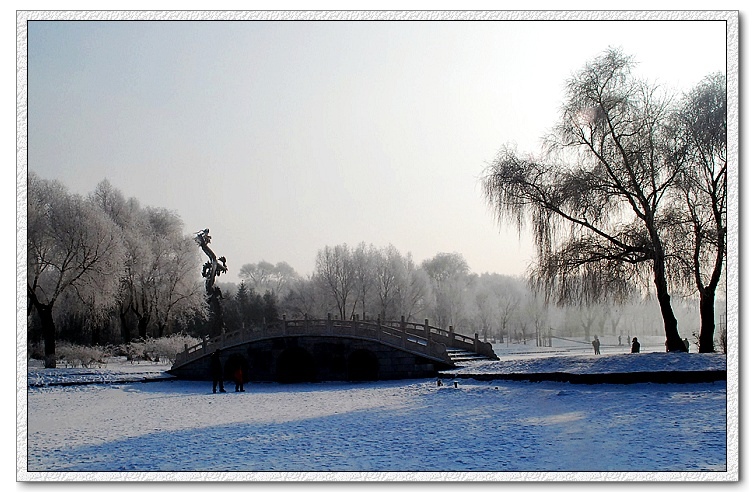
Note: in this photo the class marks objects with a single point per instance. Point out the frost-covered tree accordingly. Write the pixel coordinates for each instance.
(305, 298)
(264, 276)
(335, 273)
(175, 293)
(158, 284)
(387, 276)
(364, 260)
(496, 299)
(401, 287)
(449, 275)
(73, 248)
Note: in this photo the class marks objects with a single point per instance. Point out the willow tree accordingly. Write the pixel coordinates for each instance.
(598, 197)
(702, 188)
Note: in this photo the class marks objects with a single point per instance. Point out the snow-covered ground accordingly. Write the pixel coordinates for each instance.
(412, 429)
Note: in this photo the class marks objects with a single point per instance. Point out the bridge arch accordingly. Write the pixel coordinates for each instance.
(362, 365)
(329, 349)
(295, 364)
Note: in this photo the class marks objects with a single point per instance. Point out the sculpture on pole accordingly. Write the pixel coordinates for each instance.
(210, 271)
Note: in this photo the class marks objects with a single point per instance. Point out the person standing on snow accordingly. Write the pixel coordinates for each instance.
(238, 378)
(635, 346)
(216, 368)
(596, 345)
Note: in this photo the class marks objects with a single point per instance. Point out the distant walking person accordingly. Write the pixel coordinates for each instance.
(216, 368)
(635, 346)
(619, 340)
(596, 345)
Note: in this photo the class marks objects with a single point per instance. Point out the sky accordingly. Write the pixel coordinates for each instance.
(283, 137)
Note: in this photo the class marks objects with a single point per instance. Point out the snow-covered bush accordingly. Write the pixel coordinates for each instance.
(167, 347)
(71, 355)
(36, 351)
(158, 349)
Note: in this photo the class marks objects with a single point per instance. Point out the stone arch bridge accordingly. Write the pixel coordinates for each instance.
(310, 350)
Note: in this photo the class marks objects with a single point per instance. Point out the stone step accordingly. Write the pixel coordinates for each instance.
(461, 355)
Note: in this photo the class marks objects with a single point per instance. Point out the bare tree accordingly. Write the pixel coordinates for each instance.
(448, 273)
(257, 275)
(305, 298)
(72, 247)
(596, 202)
(508, 303)
(264, 276)
(175, 293)
(702, 187)
(334, 271)
(412, 288)
(588, 314)
(496, 299)
(284, 276)
(387, 275)
(364, 261)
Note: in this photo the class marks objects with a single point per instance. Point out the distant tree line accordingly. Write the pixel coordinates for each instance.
(368, 282)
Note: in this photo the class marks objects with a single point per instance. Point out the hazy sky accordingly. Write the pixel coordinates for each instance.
(283, 137)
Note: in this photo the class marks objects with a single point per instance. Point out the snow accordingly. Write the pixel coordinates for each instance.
(132, 423)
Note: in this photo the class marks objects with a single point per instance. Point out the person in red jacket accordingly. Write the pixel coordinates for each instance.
(238, 378)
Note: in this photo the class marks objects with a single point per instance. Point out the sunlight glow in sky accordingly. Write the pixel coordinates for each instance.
(283, 137)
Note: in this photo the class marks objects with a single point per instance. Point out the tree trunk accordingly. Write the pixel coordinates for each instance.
(47, 327)
(48, 333)
(125, 330)
(96, 335)
(142, 327)
(708, 295)
(673, 342)
(707, 319)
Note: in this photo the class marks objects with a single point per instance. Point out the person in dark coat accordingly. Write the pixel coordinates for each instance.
(596, 345)
(216, 368)
(635, 346)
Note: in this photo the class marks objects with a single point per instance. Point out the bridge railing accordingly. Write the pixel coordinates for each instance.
(447, 337)
(420, 339)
